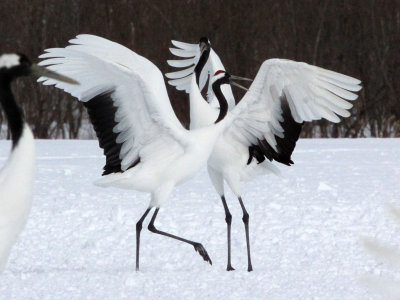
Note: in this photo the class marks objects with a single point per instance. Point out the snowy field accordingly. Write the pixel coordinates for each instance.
(306, 229)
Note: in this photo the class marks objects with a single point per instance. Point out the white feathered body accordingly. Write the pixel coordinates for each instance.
(156, 153)
(174, 169)
(172, 166)
(16, 182)
(229, 156)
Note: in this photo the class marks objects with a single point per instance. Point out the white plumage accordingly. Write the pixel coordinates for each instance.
(310, 92)
(16, 176)
(16, 182)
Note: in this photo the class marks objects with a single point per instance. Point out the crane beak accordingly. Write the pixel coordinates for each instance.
(240, 78)
(43, 72)
(239, 85)
(203, 47)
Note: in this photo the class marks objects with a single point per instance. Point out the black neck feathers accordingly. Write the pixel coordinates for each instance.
(13, 113)
(202, 61)
(223, 104)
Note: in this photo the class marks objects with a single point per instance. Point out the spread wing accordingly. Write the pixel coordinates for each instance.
(126, 99)
(283, 95)
(190, 55)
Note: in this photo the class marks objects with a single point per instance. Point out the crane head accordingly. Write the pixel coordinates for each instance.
(221, 76)
(17, 64)
(204, 44)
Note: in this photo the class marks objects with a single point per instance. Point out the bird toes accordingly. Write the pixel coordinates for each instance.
(202, 251)
(230, 268)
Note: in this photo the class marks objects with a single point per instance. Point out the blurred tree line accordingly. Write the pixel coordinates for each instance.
(360, 38)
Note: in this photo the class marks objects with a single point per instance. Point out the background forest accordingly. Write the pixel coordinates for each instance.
(360, 38)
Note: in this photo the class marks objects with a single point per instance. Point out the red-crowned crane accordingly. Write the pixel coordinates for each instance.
(145, 145)
(268, 120)
(16, 176)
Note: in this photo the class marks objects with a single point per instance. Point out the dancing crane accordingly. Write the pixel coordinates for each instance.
(16, 176)
(145, 145)
(284, 94)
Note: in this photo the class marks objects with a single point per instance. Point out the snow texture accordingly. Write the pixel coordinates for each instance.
(306, 230)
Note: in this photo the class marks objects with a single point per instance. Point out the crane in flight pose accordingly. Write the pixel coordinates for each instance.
(269, 117)
(145, 145)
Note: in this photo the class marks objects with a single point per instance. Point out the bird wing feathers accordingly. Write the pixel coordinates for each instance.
(190, 54)
(125, 96)
(283, 94)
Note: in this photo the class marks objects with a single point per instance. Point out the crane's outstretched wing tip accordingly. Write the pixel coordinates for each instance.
(184, 46)
(357, 88)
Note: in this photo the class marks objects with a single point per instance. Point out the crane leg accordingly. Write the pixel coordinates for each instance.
(197, 246)
(246, 226)
(138, 230)
(228, 219)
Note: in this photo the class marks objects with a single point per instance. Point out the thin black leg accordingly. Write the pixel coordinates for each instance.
(197, 246)
(138, 229)
(228, 219)
(246, 226)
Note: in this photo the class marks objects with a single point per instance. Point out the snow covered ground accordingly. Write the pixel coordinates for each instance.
(79, 242)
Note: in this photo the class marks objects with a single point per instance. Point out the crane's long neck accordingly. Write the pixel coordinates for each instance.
(202, 62)
(13, 113)
(200, 111)
(223, 104)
